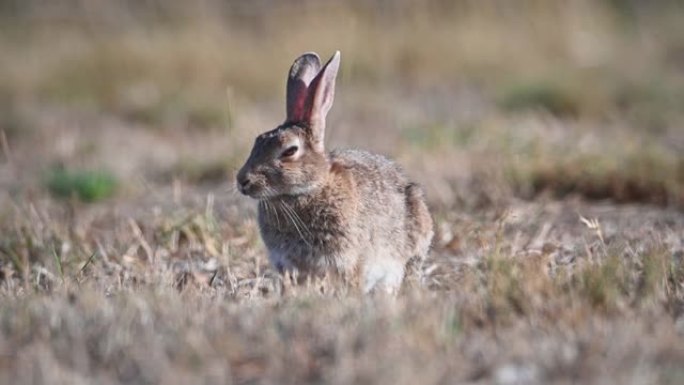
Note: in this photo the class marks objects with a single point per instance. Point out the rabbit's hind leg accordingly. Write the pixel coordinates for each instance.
(419, 225)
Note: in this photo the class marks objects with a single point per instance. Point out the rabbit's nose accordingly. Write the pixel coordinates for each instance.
(243, 183)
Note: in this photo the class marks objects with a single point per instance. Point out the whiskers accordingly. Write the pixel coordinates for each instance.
(232, 189)
(296, 221)
(274, 207)
(270, 210)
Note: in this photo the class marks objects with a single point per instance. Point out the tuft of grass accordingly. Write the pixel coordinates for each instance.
(87, 186)
(656, 272)
(627, 174)
(548, 95)
(603, 285)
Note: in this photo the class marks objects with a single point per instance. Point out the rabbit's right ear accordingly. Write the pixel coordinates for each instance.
(303, 71)
(321, 95)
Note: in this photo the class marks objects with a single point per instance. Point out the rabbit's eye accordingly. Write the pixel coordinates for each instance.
(289, 152)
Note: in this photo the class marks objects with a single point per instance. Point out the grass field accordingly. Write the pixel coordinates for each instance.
(549, 137)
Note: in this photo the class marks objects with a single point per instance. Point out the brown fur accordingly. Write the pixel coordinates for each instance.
(350, 213)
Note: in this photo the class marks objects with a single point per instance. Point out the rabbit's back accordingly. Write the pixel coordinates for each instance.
(380, 181)
(392, 215)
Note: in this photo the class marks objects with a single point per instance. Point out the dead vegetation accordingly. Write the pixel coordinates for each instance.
(538, 294)
(547, 134)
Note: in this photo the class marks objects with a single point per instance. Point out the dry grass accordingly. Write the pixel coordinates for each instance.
(178, 293)
(547, 134)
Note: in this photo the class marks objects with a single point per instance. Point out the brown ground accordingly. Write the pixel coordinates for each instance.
(548, 137)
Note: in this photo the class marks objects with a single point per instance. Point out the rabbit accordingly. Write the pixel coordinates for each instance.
(348, 214)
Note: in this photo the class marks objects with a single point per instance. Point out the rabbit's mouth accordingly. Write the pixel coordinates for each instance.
(256, 190)
(253, 190)
(250, 185)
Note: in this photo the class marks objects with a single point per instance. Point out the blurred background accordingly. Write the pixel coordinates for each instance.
(482, 101)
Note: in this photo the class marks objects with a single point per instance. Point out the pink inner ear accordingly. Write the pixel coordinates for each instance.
(296, 103)
(302, 72)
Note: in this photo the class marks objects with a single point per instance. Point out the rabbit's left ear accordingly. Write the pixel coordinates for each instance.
(303, 71)
(320, 100)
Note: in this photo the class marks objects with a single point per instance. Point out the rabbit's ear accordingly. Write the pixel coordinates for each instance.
(302, 72)
(321, 95)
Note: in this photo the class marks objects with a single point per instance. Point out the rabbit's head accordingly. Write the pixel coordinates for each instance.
(291, 159)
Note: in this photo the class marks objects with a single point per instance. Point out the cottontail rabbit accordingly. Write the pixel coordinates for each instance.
(348, 213)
